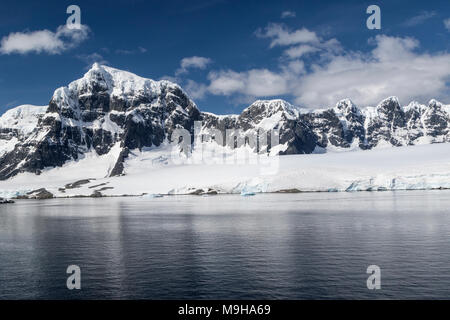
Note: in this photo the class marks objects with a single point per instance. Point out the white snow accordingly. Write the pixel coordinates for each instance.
(121, 84)
(22, 118)
(90, 166)
(155, 171)
(7, 145)
(276, 105)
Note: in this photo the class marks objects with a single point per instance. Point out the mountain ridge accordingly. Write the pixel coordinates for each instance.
(109, 107)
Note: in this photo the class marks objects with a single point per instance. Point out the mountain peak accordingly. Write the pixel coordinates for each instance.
(274, 106)
(345, 101)
(434, 102)
(117, 77)
(121, 84)
(96, 65)
(345, 104)
(346, 107)
(389, 100)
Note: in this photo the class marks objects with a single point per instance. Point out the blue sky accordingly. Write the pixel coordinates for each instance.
(228, 53)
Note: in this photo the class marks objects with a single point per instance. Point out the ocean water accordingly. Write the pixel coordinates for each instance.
(268, 246)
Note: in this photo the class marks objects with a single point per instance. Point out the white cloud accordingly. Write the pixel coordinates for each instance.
(281, 36)
(288, 14)
(393, 48)
(192, 62)
(301, 50)
(43, 40)
(323, 47)
(392, 67)
(419, 19)
(294, 67)
(255, 82)
(447, 23)
(195, 90)
(226, 82)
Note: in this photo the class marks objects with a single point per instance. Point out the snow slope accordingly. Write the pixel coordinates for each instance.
(108, 106)
(154, 171)
(23, 118)
(112, 127)
(17, 123)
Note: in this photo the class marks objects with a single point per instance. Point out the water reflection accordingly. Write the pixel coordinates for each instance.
(269, 246)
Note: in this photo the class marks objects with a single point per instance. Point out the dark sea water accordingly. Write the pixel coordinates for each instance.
(272, 246)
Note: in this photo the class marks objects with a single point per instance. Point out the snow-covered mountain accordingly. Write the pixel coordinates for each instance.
(111, 113)
(16, 124)
(104, 108)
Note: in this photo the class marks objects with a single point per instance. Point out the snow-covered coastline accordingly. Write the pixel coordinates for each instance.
(108, 134)
(152, 172)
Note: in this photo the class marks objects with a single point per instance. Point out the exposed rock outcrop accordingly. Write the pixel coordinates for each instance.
(109, 108)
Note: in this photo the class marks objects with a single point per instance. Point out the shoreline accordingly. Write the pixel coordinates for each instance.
(161, 195)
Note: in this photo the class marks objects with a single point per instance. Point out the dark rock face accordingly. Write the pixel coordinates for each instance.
(96, 194)
(352, 121)
(263, 116)
(76, 184)
(104, 108)
(202, 192)
(111, 108)
(5, 201)
(327, 128)
(407, 126)
(40, 194)
(389, 120)
(437, 121)
(118, 167)
(344, 126)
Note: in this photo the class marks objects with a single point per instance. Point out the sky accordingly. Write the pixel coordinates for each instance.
(227, 54)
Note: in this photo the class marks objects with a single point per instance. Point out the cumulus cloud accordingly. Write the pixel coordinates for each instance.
(419, 19)
(255, 82)
(195, 90)
(393, 66)
(281, 36)
(299, 51)
(192, 62)
(294, 67)
(447, 23)
(318, 72)
(288, 14)
(43, 41)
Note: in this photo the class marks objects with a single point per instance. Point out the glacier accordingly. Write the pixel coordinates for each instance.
(396, 168)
